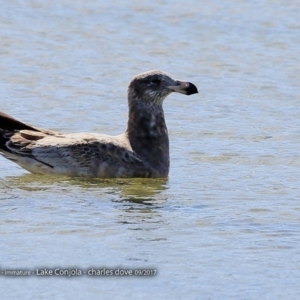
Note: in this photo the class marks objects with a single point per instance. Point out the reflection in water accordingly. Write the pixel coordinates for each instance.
(140, 191)
(135, 203)
(144, 191)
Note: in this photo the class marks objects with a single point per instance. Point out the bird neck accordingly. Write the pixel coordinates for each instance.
(148, 136)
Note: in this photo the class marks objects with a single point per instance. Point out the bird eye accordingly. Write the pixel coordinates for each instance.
(155, 81)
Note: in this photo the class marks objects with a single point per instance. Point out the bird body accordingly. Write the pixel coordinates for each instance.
(142, 151)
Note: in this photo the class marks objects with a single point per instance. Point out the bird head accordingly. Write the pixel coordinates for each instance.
(153, 87)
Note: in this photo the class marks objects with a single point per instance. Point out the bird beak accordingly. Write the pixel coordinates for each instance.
(186, 88)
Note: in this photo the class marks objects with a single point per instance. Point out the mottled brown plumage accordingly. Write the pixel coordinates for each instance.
(142, 151)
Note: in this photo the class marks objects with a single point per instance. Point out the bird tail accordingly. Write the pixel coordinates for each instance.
(8, 127)
(9, 123)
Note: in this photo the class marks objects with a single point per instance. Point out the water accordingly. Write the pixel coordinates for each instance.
(225, 224)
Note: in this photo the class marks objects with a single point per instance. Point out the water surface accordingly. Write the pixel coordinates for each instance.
(226, 223)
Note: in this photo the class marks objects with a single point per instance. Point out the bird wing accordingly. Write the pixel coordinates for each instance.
(80, 154)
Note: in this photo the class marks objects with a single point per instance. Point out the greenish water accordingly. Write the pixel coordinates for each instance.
(226, 223)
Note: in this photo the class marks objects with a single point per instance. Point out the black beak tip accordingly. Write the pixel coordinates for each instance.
(191, 89)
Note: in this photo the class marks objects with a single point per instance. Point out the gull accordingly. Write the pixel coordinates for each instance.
(141, 151)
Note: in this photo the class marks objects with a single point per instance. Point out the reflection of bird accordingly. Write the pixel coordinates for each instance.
(142, 151)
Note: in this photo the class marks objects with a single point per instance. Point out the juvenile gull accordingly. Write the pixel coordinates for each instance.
(142, 151)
